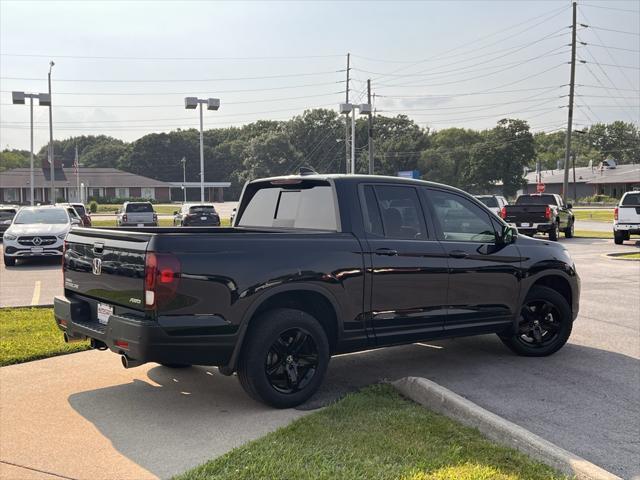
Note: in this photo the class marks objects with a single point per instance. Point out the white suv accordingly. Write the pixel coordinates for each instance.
(36, 232)
(626, 217)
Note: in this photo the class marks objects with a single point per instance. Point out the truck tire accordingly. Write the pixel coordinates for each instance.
(9, 261)
(284, 358)
(618, 238)
(554, 233)
(544, 324)
(569, 231)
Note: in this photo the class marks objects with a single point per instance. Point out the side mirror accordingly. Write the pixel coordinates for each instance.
(508, 235)
(75, 221)
(569, 205)
(116, 212)
(234, 209)
(175, 212)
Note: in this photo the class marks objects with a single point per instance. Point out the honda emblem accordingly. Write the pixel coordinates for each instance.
(97, 266)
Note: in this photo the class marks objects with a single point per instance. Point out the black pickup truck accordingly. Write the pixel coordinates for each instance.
(315, 265)
(540, 212)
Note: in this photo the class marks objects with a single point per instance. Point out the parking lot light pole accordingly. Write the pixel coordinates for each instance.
(51, 162)
(346, 108)
(183, 161)
(44, 100)
(190, 103)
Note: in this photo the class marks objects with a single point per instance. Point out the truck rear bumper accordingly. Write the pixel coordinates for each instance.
(146, 340)
(531, 228)
(632, 228)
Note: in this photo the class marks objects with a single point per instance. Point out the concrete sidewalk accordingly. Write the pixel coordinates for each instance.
(83, 416)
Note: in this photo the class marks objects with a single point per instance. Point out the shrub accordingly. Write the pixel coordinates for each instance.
(93, 206)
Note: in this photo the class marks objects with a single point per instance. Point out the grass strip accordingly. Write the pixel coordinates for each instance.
(374, 434)
(30, 334)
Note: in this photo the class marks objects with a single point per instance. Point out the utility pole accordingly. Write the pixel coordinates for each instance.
(370, 128)
(52, 170)
(346, 121)
(567, 153)
(184, 179)
(575, 187)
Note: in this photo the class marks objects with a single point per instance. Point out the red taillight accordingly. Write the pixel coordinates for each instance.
(121, 344)
(547, 213)
(161, 277)
(615, 213)
(155, 217)
(503, 213)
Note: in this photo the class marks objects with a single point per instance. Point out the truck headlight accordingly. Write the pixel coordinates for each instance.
(8, 236)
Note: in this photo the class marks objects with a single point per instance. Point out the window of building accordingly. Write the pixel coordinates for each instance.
(148, 193)
(122, 192)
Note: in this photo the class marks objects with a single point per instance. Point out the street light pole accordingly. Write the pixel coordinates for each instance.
(184, 179)
(31, 179)
(44, 100)
(346, 108)
(191, 103)
(53, 186)
(201, 157)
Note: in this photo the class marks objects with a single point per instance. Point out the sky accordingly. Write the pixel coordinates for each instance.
(123, 68)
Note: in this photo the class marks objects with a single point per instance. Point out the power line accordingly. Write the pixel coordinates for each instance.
(221, 79)
(628, 10)
(137, 58)
(447, 95)
(632, 67)
(217, 92)
(481, 107)
(637, 34)
(608, 46)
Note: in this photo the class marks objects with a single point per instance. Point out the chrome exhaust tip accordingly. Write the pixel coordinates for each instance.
(130, 362)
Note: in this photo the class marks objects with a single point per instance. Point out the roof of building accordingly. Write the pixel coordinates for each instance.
(629, 173)
(66, 177)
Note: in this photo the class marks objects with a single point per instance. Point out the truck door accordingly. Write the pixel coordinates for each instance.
(408, 268)
(484, 281)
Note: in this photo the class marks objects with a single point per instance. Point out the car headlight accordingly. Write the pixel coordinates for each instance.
(62, 236)
(8, 236)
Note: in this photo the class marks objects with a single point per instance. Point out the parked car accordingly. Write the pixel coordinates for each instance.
(136, 214)
(317, 265)
(626, 217)
(37, 232)
(493, 202)
(83, 212)
(73, 213)
(540, 212)
(7, 212)
(196, 215)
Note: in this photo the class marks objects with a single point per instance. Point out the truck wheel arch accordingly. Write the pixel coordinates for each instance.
(311, 299)
(554, 281)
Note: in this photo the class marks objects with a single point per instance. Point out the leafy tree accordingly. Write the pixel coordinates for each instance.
(14, 159)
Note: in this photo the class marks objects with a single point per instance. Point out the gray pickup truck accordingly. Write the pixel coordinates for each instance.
(136, 214)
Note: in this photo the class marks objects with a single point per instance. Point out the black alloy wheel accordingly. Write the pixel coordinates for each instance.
(544, 324)
(292, 361)
(284, 357)
(539, 323)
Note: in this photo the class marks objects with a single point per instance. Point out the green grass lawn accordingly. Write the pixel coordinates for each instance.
(31, 333)
(374, 434)
(592, 234)
(629, 256)
(161, 208)
(595, 215)
(162, 222)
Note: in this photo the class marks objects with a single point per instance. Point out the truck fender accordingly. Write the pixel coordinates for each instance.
(248, 315)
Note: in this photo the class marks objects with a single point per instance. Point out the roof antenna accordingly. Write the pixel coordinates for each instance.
(307, 171)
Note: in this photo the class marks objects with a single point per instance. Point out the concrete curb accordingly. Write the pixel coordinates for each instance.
(444, 401)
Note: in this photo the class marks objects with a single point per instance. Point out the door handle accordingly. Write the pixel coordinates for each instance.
(386, 251)
(458, 254)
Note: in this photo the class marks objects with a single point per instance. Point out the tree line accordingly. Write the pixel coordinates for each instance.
(469, 159)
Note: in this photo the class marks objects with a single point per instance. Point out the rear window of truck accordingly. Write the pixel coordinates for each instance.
(631, 200)
(139, 208)
(293, 206)
(536, 200)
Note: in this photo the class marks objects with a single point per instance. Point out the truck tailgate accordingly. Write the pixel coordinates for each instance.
(106, 265)
(629, 214)
(526, 213)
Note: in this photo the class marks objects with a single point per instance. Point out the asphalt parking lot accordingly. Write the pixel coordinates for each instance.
(83, 416)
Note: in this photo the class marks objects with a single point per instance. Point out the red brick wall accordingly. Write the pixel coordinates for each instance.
(110, 192)
(162, 194)
(135, 192)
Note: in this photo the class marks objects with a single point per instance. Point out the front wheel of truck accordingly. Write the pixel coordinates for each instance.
(284, 357)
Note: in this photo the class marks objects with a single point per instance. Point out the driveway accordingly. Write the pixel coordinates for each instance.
(83, 416)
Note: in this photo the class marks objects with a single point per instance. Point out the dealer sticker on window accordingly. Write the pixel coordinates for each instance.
(104, 312)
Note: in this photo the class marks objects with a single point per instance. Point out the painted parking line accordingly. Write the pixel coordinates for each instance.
(35, 299)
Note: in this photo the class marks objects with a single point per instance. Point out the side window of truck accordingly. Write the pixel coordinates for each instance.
(394, 212)
(460, 219)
